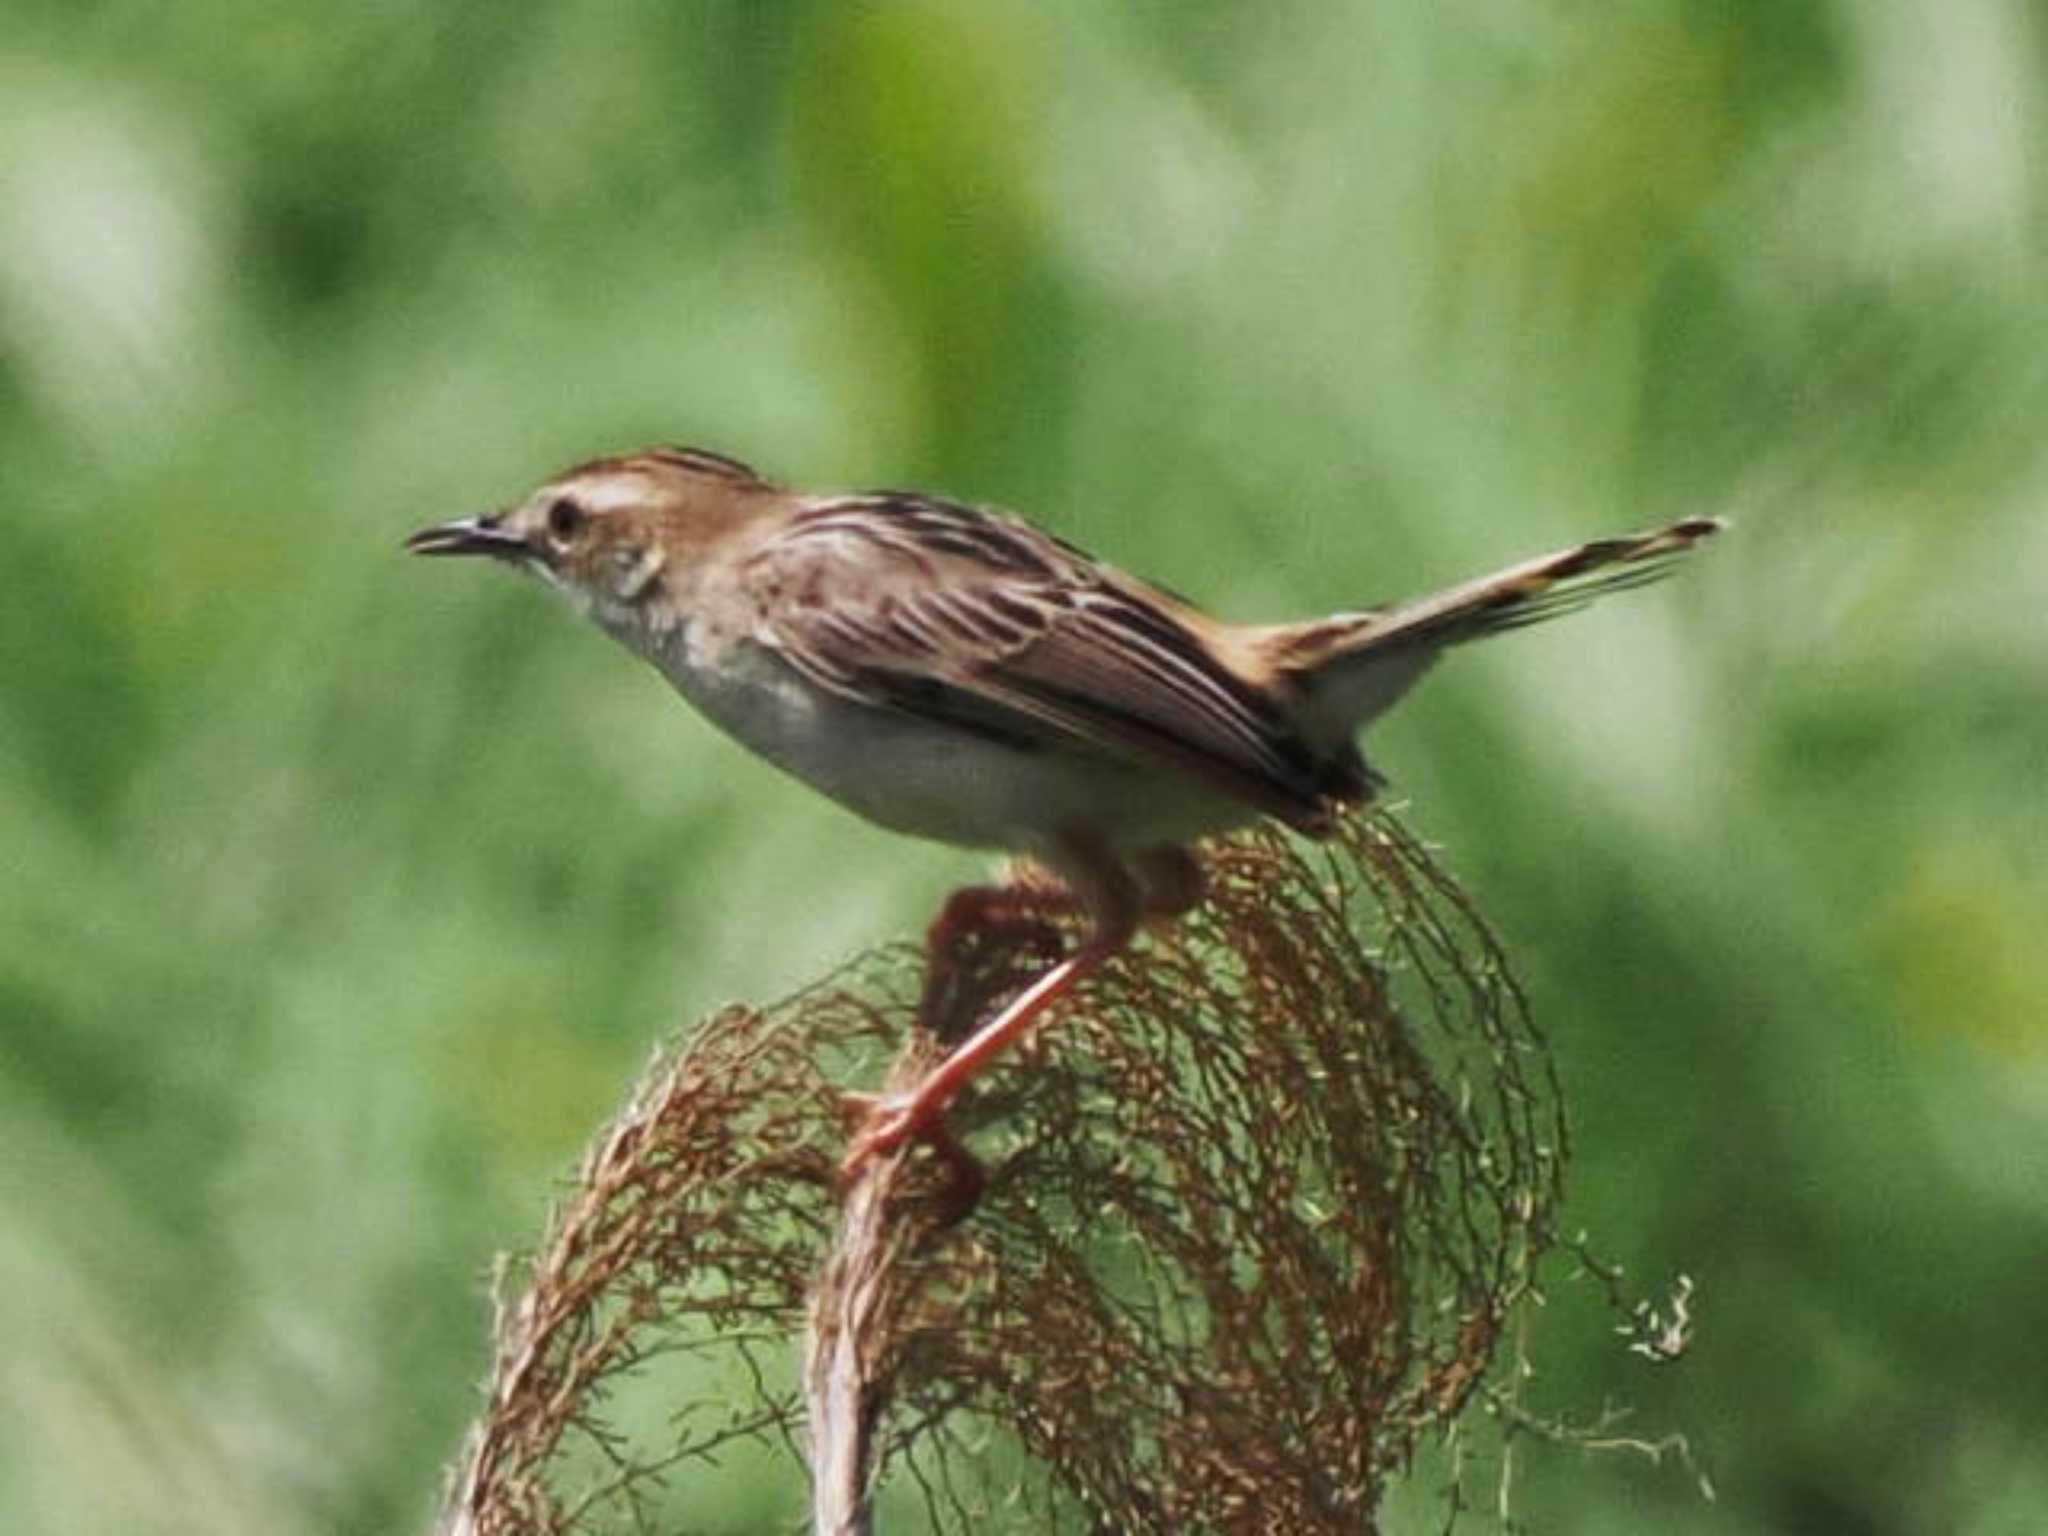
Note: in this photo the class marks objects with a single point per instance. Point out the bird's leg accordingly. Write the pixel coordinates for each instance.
(983, 941)
(1112, 898)
(894, 1119)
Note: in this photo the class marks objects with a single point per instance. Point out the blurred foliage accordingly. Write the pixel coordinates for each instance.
(339, 895)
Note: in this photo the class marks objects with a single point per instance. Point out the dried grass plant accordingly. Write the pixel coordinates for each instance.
(1258, 1208)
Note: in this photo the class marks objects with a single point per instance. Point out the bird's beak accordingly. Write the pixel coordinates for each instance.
(469, 536)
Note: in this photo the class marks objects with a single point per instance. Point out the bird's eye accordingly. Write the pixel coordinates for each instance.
(565, 520)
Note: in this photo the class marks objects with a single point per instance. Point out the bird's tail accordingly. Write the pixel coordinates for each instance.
(1352, 666)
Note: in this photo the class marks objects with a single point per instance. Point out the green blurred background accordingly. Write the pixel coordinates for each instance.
(341, 894)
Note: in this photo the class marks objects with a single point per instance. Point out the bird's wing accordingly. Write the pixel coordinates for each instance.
(982, 621)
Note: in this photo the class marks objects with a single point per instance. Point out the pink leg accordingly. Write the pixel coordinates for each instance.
(982, 943)
(1109, 892)
(896, 1118)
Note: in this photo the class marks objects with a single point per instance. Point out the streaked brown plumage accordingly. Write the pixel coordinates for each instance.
(957, 674)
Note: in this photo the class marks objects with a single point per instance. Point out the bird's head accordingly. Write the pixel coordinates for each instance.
(613, 534)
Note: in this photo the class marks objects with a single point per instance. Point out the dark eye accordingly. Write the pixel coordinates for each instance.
(565, 520)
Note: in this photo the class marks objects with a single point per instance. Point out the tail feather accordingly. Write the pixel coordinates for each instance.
(1354, 665)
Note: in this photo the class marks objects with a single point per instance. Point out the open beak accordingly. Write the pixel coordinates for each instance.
(469, 536)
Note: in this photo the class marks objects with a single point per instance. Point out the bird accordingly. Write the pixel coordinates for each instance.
(956, 673)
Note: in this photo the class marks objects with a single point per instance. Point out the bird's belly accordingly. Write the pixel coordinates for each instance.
(941, 781)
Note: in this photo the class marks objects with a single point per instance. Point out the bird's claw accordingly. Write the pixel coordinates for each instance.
(886, 1123)
(881, 1123)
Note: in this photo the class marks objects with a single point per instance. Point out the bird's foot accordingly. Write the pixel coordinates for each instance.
(883, 1124)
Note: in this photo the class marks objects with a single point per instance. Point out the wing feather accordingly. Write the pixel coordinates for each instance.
(912, 603)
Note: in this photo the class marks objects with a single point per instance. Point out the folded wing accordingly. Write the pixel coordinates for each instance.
(987, 623)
